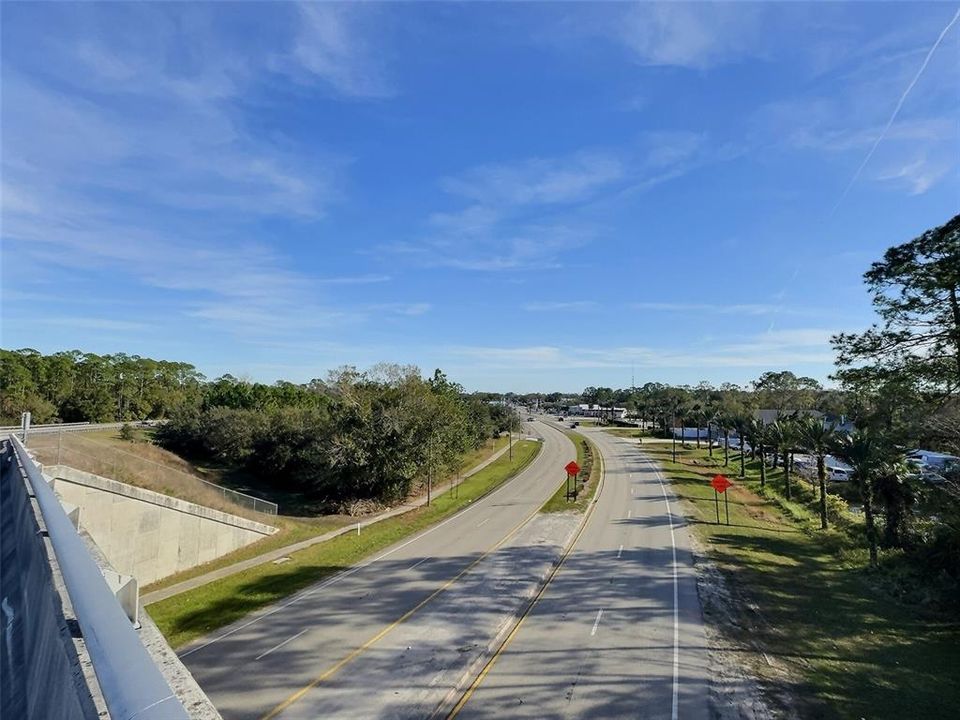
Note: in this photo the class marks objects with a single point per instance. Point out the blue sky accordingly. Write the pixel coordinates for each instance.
(530, 196)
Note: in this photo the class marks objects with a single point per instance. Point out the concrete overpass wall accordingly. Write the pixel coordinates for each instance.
(39, 678)
(149, 535)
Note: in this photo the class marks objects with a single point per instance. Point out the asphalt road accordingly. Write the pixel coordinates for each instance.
(272, 661)
(619, 631)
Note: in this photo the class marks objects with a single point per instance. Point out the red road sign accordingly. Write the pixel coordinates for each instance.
(572, 468)
(720, 483)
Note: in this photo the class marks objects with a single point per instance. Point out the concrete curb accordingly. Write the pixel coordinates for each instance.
(200, 580)
(451, 702)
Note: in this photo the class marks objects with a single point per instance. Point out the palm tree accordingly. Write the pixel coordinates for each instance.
(784, 435)
(817, 439)
(897, 495)
(742, 424)
(696, 414)
(862, 450)
(757, 433)
(712, 414)
(724, 421)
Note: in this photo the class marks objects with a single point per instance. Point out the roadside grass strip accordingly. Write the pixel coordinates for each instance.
(194, 613)
(587, 460)
(830, 641)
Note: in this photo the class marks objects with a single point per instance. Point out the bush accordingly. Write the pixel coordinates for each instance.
(127, 432)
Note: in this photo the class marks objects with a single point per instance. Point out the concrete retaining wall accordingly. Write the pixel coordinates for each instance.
(147, 534)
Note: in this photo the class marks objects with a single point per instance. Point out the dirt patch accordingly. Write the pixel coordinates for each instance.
(746, 683)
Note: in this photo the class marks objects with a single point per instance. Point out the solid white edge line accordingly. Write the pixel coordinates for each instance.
(596, 622)
(418, 563)
(277, 647)
(357, 568)
(676, 599)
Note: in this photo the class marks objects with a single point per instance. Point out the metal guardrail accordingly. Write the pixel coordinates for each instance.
(132, 686)
(107, 453)
(75, 427)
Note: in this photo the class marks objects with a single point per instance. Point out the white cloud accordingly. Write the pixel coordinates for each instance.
(918, 175)
(723, 308)
(352, 280)
(95, 323)
(538, 181)
(551, 306)
(332, 45)
(513, 220)
(785, 348)
(408, 309)
(687, 35)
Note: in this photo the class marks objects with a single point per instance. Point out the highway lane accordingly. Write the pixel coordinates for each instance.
(619, 632)
(276, 656)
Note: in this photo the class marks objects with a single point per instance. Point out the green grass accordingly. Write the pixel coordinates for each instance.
(850, 649)
(189, 615)
(558, 502)
(627, 432)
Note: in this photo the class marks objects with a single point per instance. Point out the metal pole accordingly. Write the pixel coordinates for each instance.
(673, 434)
(726, 506)
(716, 499)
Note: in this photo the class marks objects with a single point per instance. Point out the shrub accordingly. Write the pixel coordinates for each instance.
(127, 432)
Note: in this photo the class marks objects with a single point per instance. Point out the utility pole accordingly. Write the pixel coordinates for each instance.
(429, 468)
(673, 434)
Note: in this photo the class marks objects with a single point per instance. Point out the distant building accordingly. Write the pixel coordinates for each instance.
(772, 415)
(605, 411)
(933, 460)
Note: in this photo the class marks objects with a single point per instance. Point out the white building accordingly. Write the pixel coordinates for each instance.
(932, 460)
(584, 410)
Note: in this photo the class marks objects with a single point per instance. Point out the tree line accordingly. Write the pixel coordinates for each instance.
(355, 435)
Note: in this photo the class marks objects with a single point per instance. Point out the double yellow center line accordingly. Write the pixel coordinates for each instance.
(333, 670)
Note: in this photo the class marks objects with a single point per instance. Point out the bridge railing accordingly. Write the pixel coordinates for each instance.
(130, 681)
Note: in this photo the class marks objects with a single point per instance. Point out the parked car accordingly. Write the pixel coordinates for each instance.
(839, 474)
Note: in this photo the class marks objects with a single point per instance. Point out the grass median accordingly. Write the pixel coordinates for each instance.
(189, 615)
(836, 644)
(587, 459)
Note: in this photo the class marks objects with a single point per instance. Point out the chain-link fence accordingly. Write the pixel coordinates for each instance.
(83, 453)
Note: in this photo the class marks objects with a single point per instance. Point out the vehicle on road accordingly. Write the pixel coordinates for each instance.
(839, 474)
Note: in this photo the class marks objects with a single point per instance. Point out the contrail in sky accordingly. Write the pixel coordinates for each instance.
(896, 110)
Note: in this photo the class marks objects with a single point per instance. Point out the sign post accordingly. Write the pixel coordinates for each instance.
(25, 426)
(572, 469)
(720, 485)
